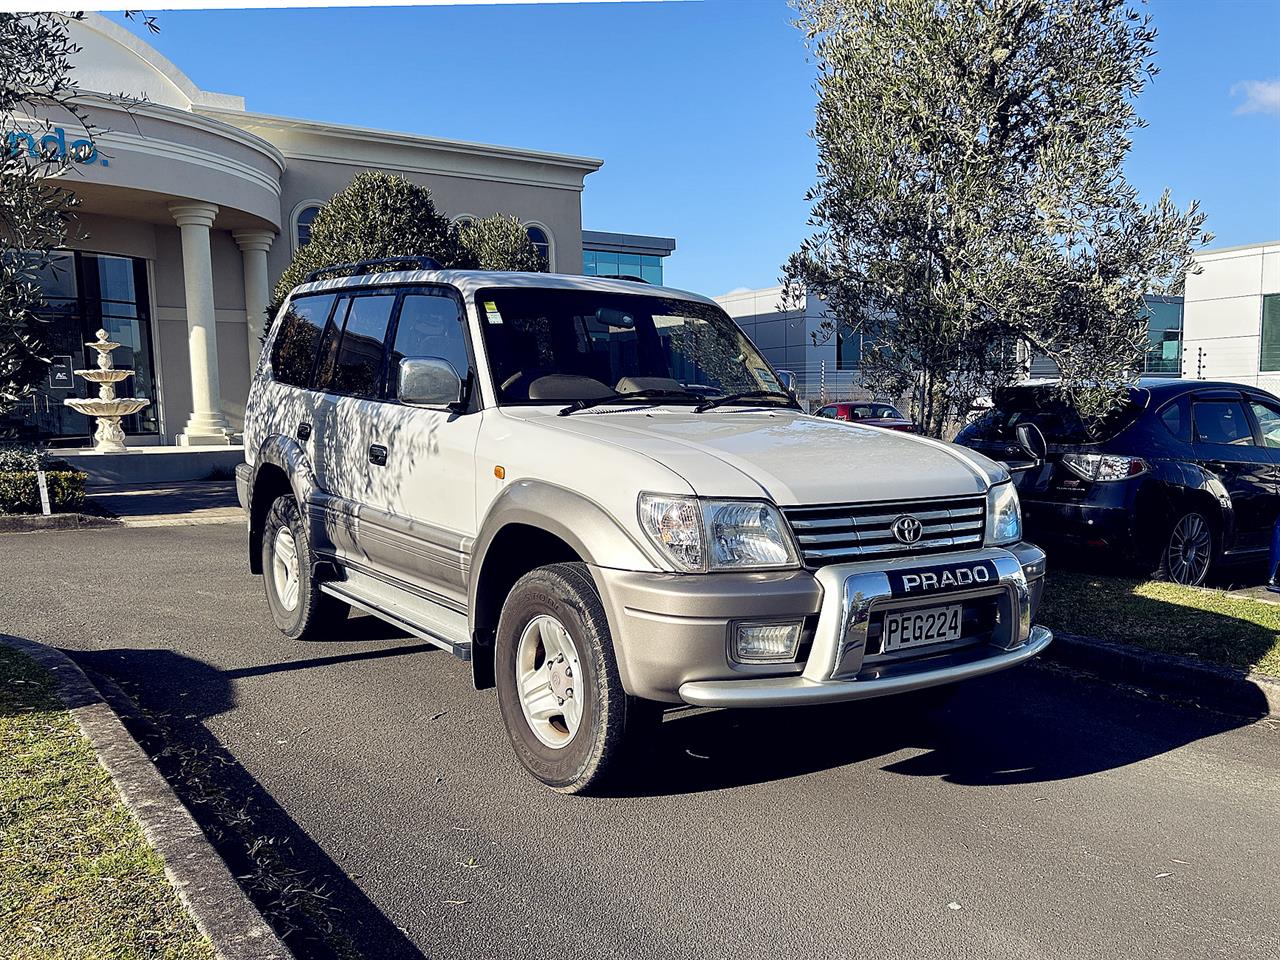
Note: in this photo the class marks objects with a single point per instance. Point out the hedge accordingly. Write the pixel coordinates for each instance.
(20, 491)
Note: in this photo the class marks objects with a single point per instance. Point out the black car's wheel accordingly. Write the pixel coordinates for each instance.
(571, 723)
(1189, 550)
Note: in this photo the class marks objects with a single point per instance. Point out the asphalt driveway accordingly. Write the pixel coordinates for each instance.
(372, 798)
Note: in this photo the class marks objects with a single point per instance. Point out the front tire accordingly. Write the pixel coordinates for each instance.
(1189, 550)
(298, 607)
(571, 723)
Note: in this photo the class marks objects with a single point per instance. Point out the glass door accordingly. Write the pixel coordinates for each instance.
(85, 292)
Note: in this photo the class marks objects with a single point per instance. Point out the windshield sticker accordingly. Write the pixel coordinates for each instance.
(491, 312)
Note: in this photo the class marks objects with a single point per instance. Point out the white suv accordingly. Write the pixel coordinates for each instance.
(599, 492)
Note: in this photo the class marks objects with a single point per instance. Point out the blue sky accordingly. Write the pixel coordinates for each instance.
(700, 110)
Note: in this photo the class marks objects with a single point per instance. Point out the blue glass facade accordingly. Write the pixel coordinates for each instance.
(1164, 333)
(605, 263)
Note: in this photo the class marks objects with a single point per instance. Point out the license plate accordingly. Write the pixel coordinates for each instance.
(916, 628)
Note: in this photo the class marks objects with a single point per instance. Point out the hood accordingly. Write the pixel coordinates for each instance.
(791, 458)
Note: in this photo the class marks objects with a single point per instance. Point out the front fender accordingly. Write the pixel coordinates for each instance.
(594, 533)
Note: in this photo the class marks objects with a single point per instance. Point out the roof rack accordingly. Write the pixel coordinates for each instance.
(373, 266)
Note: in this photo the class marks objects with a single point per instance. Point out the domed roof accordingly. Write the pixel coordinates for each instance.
(113, 60)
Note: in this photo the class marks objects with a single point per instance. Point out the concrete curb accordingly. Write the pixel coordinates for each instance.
(30, 522)
(1219, 688)
(220, 908)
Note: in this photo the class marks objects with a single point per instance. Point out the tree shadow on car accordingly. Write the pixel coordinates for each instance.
(1029, 725)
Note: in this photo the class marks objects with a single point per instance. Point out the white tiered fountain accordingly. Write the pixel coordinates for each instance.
(107, 407)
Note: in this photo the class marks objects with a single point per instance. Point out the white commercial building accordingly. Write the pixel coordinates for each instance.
(1231, 316)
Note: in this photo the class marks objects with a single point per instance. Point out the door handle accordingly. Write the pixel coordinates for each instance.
(304, 431)
(377, 455)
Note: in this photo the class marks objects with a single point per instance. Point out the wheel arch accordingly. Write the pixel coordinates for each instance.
(281, 467)
(532, 524)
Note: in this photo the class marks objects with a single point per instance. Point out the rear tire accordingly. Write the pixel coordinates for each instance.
(298, 607)
(1190, 550)
(571, 723)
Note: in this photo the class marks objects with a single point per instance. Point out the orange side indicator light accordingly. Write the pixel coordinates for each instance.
(500, 473)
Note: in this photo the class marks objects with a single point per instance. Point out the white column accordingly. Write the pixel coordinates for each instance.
(254, 245)
(206, 424)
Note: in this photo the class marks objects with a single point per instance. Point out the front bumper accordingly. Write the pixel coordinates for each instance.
(672, 632)
(244, 477)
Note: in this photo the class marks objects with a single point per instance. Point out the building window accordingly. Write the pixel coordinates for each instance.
(302, 225)
(848, 349)
(85, 292)
(606, 263)
(1270, 359)
(1164, 334)
(541, 241)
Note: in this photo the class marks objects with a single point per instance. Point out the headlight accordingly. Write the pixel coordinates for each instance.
(701, 535)
(1004, 515)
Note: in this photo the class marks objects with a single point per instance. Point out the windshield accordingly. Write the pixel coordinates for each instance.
(554, 346)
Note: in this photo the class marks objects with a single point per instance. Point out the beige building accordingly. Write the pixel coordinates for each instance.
(192, 206)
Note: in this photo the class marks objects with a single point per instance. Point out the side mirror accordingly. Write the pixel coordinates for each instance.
(788, 381)
(1032, 442)
(429, 382)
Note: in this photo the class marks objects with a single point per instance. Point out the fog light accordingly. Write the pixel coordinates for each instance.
(766, 642)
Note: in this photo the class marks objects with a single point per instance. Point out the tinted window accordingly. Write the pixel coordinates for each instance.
(298, 339)
(430, 325)
(354, 367)
(1176, 418)
(1058, 421)
(1268, 418)
(828, 412)
(1222, 421)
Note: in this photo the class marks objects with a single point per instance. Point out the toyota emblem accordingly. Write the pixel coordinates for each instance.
(907, 529)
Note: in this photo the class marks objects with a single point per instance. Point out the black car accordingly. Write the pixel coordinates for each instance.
(1184, 475)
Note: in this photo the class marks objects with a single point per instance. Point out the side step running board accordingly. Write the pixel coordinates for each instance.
(459, 648)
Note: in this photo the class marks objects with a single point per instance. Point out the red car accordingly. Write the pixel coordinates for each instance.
(872, 413)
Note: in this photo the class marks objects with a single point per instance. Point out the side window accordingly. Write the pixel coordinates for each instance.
(298, 339)
(430, 325)
(1176, 417)
(828, 412)
(1222, 421)
(352, 363)
(1268, 417)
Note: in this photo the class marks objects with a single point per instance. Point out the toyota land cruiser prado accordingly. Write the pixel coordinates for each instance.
(600, 494)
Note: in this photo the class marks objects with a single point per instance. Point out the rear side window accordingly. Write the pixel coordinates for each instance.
(1222, 421)
(1268, 418)
(352, 362)
(430, 325)
(298, 339)
(1176, 418)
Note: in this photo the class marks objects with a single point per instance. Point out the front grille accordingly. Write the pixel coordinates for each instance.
(855, 531)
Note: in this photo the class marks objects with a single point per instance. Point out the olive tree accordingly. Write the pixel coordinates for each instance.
(380, 215)
(35, 209)
(971, 204)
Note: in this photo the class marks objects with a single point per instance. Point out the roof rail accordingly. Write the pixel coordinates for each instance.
(621, 276)
(373, 266)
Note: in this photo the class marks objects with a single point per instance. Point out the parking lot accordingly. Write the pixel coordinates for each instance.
(372, 796)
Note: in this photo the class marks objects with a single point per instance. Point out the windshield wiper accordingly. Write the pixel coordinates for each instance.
(653, 393)
(748, 395)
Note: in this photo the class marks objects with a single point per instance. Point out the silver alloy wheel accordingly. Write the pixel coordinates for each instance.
(548, 674)
(284, 568)
(1189, 552)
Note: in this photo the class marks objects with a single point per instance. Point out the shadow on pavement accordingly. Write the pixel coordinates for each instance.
(1028, 725)
(319, 912)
